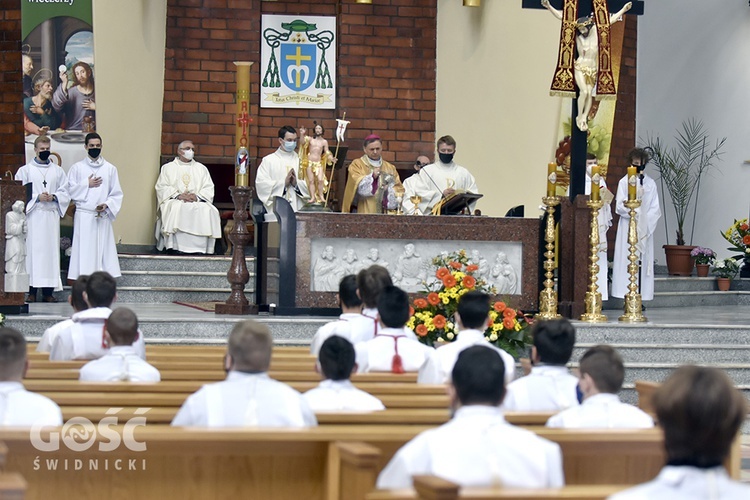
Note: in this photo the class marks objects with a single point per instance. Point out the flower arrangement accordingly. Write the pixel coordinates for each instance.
(703, 255)
(738, 235)
(726, 268)
(432, 316)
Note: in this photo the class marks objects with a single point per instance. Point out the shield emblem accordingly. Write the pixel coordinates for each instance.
(298, 65)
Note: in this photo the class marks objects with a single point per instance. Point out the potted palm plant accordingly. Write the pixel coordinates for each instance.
(680, 169)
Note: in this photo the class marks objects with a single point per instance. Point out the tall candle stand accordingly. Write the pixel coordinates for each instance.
(633, 311)
(593, 299)
(548, 296)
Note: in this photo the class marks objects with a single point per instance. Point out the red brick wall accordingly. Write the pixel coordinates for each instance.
(385, 74)
(11, 104)
(623, 130)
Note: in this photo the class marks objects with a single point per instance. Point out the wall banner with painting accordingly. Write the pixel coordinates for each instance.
(298, 62)
(58, 74)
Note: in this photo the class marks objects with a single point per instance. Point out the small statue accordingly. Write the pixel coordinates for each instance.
(16, 278)
(314, 157)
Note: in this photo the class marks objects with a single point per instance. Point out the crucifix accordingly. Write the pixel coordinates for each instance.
(585, 27)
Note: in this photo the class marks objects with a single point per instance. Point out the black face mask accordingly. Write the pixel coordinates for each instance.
(640, 168)
(446, 157)
(44, 155)
(95, 152)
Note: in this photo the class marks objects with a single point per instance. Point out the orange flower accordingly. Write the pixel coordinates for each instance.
(471, 268)
(420, 303)
(433, 298)
(411, 311)
(746, 239)
(454, 264)
(509, 323)
(439, 321)
(744, 227)
(509, 313)
(442, 273)
(499, 306)
(421, 330)
(449, 281)
(469, 282)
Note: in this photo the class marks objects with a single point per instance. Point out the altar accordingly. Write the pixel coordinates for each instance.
(317, 249)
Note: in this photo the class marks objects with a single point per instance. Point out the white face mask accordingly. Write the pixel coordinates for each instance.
(188, 154)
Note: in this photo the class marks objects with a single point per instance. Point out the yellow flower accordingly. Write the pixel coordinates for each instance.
(410, 323)
(450, 336)
(446, 301)
(493, 337)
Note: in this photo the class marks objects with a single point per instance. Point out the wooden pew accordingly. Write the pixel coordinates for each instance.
(433, 488)
(12, 486)
(287, 464)
(645, 390)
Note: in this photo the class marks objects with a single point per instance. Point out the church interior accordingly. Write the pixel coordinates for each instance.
(410, 72)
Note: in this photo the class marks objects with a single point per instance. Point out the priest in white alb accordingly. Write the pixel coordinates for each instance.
(439, 180)
(48, 203)
(94, 187)
(187, 221)
(278, 174)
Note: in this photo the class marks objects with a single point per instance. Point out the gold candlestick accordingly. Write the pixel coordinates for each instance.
(593, 299)
(633, 310)
(548, 296)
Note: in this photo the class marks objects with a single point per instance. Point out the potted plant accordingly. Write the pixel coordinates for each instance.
(725, 270)
(704, 257)
(680, 169)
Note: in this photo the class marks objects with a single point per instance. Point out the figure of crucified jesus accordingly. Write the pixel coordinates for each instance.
(318, 157)
(586, 66)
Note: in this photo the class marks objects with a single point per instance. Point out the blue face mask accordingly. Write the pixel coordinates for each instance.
(289, 146)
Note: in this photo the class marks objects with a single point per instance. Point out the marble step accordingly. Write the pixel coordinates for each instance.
(178, 279)
(615, 333)
(675, 353)
(686, 299)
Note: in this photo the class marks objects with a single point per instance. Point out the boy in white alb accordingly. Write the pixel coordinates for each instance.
(77, 302)
(85, 337)
(602, 374)
(549, 386)
(19, 407)
(471, 317)
(350, 318)
(701, 413)
(336, 392)
(370, 282)
(477, 447)
(391, 350)
(248, 397)
(122, 362)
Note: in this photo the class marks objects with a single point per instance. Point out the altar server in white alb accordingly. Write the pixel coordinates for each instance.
(248, 397)
(350, 319)
(278, 174)
(549, 386)
(122, 362)
(701, 412)
(477, 447)
(48, 203)
(94, 187)
(336, 392)
(439, 180)
(602, 374)
(19, 407)
(84, 337)
(647, 216)
(392, 350)
(472, 316)
(187, 221)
